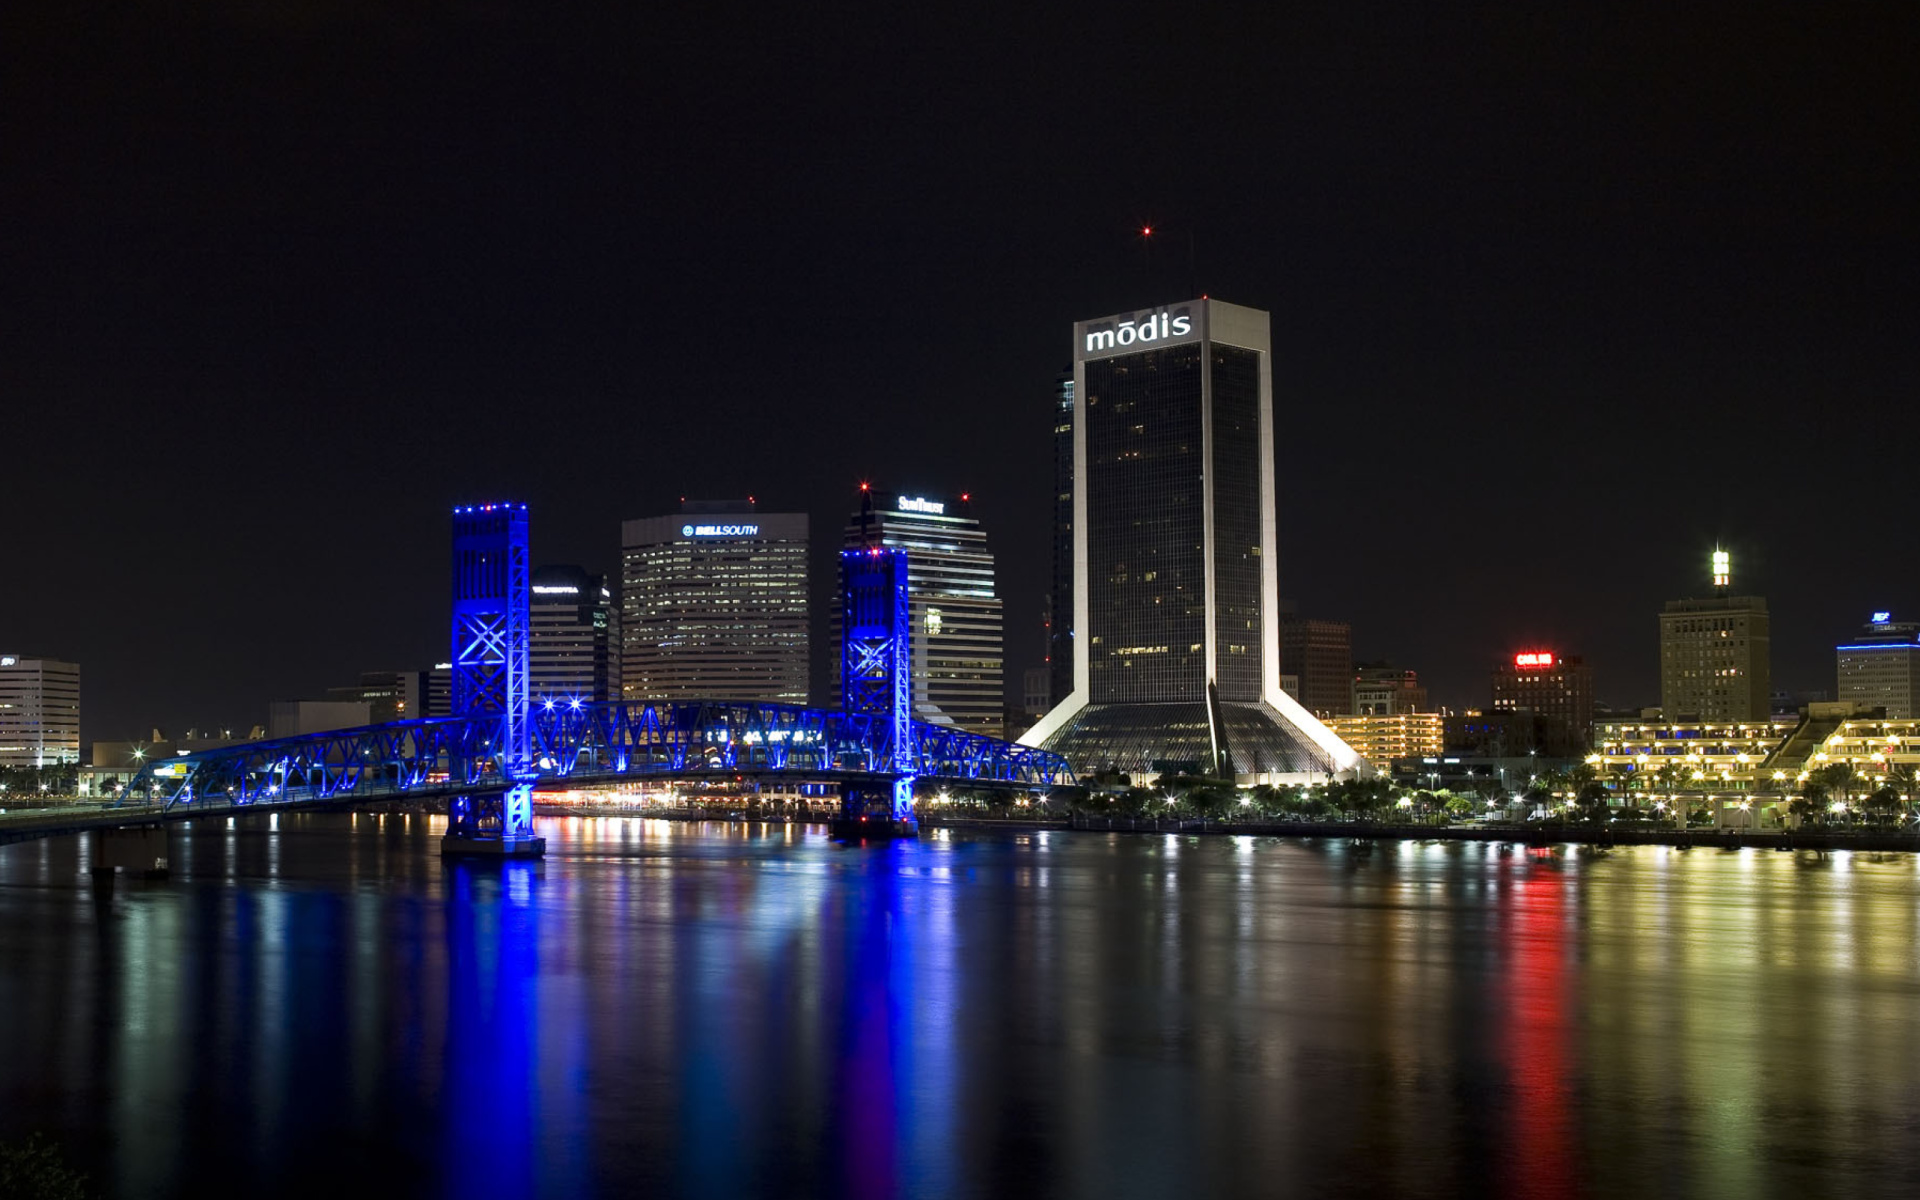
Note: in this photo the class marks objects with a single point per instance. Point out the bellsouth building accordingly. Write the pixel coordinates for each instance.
(1175, 624)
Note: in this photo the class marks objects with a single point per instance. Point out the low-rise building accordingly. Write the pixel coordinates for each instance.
(1381, 738)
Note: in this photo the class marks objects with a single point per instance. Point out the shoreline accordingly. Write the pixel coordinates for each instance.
(1533, 835)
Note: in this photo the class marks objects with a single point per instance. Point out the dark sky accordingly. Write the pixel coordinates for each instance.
(1559, 299)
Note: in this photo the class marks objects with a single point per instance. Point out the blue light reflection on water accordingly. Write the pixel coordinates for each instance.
(728, 1011)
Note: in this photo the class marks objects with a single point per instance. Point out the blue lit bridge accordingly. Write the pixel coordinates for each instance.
(487, 758)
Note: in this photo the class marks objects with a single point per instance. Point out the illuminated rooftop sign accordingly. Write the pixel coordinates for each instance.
(718, 531)
(921, 505)
(8, 660)
(1722, 568)
(1143, 329)
(1882, 618)
(1533, 660)
(555, 589)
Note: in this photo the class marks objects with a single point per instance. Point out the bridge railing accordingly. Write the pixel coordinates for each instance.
(584, 742)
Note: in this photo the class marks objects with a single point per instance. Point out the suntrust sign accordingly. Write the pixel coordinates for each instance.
(700, 531)
(1137, 330)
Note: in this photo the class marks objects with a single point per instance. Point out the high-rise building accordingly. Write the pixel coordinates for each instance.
(388, 695)
(573, 637)
(295, 718)
(1555, 687)
(1175, 628)
(436, 698)
(1060, 597)
(1381, 689)
(1714, 654)
(957, 667)
(1880, 669)
(1319, 654)
(39, 712)
(713, 605)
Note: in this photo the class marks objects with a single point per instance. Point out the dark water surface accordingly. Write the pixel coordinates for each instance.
(320, 1006)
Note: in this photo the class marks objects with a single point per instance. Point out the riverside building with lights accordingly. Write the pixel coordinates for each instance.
(39, 711)
(956, 655)
(1555, 687)
(1715, 654)
(1880, 669)
(713, 605)
(573, 637)
(1175, 627)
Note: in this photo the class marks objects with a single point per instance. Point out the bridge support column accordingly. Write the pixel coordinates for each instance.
(490, 618)
(875, 683)
(142, 850)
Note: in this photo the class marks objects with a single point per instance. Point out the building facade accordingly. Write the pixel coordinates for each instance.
(1319, 654)
(573, 637)
(39, 712)
(1715, 655)
(957, 654)
(1060, 596)
(1382, 690)
(1880, 669)
(1175, 631)
(1556, 688)
(713, 605)
(1382, 737)
(388, 695)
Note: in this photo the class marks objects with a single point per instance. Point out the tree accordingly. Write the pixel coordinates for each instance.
(35, 1170)
(1593, 801)
(1883, 806)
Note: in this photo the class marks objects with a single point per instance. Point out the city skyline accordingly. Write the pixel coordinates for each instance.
(1537, 395)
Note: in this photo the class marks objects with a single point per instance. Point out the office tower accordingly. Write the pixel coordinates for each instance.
(1176, 631)
(388, 695)
(957, 662)
(39, 712)
(713, 605)
(436, 698)
(1319, 656)
(1060, 596)
(573, 637)
(1381, 689)
(1881, 667)
(295, 718)
(1556, 688)
(1714, 654)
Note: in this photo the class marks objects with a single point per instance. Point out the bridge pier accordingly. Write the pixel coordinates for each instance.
(877, 811)
(494, 825)
(142, 850)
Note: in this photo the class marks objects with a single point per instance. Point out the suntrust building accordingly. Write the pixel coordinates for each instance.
(1175, 631)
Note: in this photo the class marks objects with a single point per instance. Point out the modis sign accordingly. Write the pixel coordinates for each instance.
(1132, 331)
(1533, 660)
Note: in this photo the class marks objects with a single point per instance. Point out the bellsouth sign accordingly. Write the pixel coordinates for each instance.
(1142, 329)
(701, 531)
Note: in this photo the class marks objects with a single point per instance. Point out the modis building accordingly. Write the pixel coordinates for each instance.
(1175, 632)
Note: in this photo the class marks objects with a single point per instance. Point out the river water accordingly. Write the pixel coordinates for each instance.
(316, 1004)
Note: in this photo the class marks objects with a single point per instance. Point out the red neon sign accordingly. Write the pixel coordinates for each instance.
(1534, 659)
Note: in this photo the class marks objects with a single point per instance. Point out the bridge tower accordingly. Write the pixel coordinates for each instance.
(490, 617)
(875, 682)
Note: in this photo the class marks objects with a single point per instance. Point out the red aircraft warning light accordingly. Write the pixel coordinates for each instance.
(1533, 659)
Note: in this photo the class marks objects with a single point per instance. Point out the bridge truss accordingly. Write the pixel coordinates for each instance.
(583, 744)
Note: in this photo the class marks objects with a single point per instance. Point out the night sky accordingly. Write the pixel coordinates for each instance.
(1559, 300)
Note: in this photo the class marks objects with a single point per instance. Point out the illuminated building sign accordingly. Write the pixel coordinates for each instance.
(1144, 329)
(1533, 659)
(1722, 568)
(1882, 618)
(706, 531)
(555, 589)
(919, 505)
(8, 660)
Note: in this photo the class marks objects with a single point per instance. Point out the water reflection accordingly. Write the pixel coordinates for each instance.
(321, 1004)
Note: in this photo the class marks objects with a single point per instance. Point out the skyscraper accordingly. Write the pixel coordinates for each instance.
(1319, 656)
(1881, 667)
(1060, 597)
(1175, 629)
(573, 637)
(39, 712)
(1556, 688)
(957, 656)
(1714, 654)
(713, 605)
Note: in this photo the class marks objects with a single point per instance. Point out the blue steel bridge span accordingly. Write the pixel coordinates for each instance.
(584, 744)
